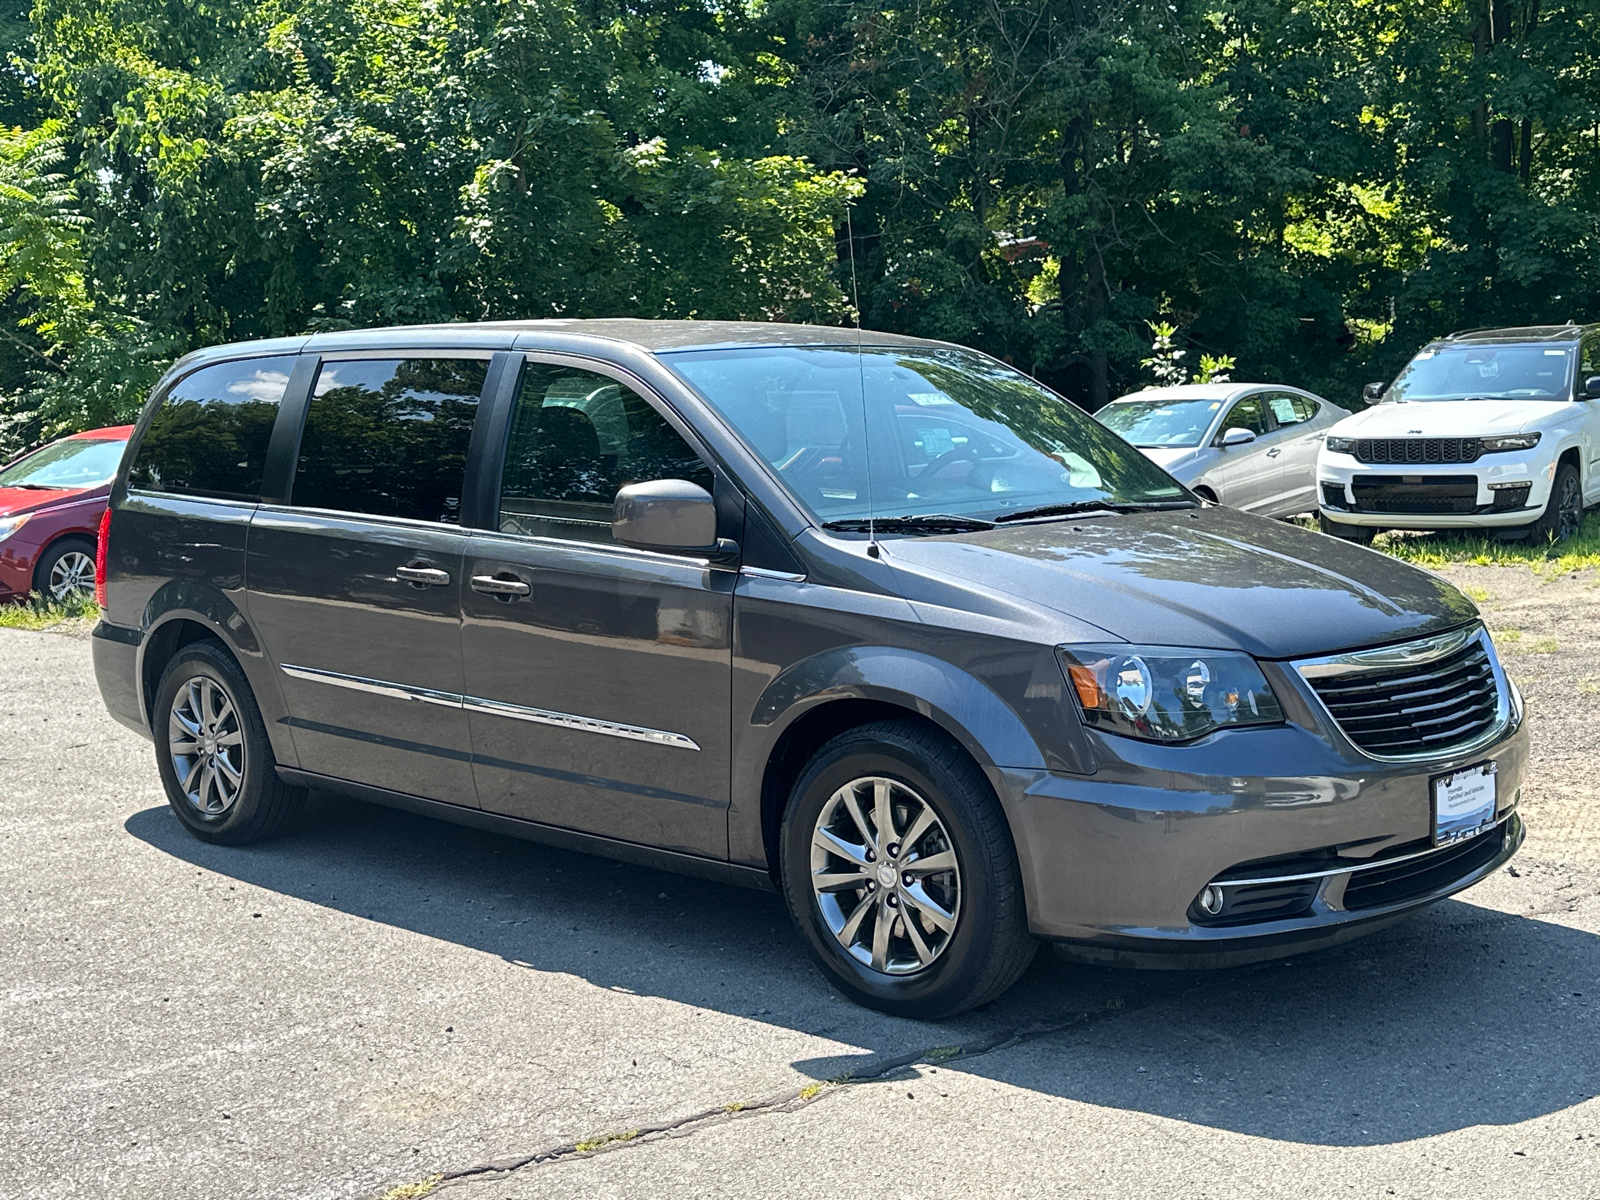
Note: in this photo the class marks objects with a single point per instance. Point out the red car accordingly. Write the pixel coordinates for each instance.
(51, 502)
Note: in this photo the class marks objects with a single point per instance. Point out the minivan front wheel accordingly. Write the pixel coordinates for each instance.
(216, 764)
(898, 865)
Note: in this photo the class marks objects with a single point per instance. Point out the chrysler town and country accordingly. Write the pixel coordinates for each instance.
(879, 623)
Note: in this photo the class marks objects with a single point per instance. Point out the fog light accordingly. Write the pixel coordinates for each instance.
(1211, 900)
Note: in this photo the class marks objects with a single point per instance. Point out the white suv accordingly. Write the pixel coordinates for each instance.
(1493, 429)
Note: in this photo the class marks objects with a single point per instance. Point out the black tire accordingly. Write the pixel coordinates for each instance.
(1206, 494)
(69, 550)
(261, 805)
(1361, 535)
(988, 947)
(1563, 514)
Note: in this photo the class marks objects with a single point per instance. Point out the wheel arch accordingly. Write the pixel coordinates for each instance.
(814, 701)
(1574, 455)
(65, 535)
(182, 612)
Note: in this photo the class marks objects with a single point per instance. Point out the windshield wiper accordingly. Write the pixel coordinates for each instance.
(1089, 506)
(912, 523)
(38, 487)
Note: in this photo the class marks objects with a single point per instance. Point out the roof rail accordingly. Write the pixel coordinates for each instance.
(1461, 333)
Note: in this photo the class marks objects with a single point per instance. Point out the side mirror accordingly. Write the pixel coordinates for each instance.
(1591, 386)
(1373, 392)
(670, 515)
(1237, 436)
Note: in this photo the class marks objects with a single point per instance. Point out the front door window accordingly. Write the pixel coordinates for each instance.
(576, 438)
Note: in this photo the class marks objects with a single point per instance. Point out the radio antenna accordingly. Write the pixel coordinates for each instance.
(861, 374)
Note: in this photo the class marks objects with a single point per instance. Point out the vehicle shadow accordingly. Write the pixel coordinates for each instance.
(1460, 1016)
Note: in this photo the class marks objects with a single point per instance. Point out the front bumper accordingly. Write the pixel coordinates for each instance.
(17, 559)
(1504, 492)
(1113, 862)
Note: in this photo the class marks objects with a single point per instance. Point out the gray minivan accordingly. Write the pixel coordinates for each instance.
(877, 622)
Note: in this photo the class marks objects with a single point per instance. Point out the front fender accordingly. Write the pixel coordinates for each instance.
(958, 702)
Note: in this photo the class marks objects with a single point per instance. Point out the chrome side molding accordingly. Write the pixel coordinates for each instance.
(497, 708)
(375, 687)
(616, 729)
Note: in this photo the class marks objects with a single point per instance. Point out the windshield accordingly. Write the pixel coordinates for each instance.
(950, 432)
(1154, 423)
(1486, 373)
(73, 463)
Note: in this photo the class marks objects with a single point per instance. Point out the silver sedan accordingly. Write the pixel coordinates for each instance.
(1248, 445)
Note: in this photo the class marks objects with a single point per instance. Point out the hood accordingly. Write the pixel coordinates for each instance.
(1169, 457)
(1209, 578)
(21, 500)
(1448, 418)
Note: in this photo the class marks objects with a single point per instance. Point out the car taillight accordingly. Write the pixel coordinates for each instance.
(100, 558)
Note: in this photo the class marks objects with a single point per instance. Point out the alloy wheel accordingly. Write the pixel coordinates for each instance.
(1570, 508)
(207, 746)
(72, 575)
(885, 876)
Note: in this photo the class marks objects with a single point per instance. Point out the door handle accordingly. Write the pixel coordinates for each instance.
(1274, 452)
(423, 576)
(494, 585)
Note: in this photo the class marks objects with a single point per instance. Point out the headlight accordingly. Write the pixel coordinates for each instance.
(1509, 441)
(1162, 694)
(1340, 445)
(9, 525)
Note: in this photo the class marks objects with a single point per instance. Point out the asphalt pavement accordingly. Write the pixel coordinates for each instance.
(380, 1003)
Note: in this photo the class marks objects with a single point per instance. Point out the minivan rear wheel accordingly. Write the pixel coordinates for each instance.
(898, 866)
(216, 763)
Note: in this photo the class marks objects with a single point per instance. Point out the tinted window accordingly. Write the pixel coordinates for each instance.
(576, 437)
(1249, 414)
(389, 437)
(1591, 358)
(210, 435)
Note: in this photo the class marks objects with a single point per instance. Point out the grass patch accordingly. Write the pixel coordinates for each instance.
(811, 1089)
(38, 613)
(1506, 636)
(413, 1191)
(1475, 550)
(1544, 646)
(608, 1139)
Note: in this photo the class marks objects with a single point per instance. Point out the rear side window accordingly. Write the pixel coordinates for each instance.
(576, 437)
(210, 435)
(388, 437)
(1289, 409)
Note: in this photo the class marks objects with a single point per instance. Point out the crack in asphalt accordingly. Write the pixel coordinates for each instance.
(794, 1099)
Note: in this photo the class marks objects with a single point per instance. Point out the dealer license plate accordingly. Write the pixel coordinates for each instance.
(1463, 803)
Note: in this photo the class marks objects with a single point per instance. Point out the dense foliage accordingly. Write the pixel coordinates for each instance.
(1308, 186)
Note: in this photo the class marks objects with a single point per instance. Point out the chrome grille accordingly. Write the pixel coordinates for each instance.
(1420, 699)
(1418, 450)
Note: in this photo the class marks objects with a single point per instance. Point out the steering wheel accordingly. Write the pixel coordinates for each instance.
(955, 454)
